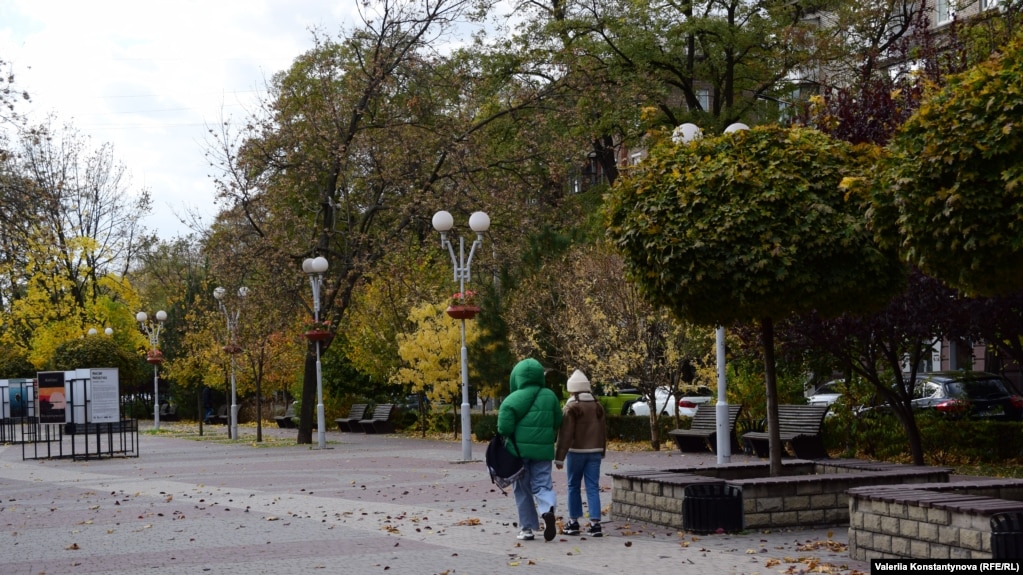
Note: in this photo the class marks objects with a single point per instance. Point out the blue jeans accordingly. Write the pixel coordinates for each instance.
(534, 489)
(583, 468)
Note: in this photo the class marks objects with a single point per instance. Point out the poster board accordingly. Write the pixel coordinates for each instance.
(20, 397)
(52, 401)
(105, 400)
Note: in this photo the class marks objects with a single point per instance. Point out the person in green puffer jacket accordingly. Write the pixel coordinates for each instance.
(531, 415)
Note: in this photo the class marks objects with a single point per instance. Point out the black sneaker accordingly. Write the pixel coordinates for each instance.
(550, 527)
(594, 530)
(572, 528)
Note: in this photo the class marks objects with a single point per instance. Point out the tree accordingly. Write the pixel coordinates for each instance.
(877, 346)
(69, 238)
(949, 193)
(610, 332)
(431, 356)
(327, 170)
(708, 61)
(751, 225)
(97, 351)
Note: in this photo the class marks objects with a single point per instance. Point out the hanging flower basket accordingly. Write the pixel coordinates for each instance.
(463, 311)
(232, 349)
(315, 335)
(154, 356)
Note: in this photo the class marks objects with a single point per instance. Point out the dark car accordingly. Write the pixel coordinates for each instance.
(974, 394)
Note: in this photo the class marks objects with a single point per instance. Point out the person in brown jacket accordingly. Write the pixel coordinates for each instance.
(582, 441)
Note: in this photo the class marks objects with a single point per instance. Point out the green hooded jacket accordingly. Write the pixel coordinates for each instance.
(531, 412)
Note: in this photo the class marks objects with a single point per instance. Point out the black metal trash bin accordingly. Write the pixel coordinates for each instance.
(1007, 535)
(710, 507)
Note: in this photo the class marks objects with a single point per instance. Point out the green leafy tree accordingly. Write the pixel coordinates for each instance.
(98, 350)
(949, 195)
(327, 170)
(712, 62)
(751, 225)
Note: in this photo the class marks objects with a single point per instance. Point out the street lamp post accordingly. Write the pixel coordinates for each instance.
(683, 134)
(153, 356)
(479, 222)
(314, 268)
(232, 348)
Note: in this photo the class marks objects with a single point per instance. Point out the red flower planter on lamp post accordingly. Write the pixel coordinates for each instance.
(463, 311)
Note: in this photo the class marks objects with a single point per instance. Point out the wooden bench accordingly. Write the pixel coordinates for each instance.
(223, 416)
(168, 412)
(799, 426)
(380, 421)
(287, 420)
(356, 413)
(702, 432)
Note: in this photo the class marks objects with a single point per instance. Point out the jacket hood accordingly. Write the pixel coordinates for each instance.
(526, 373)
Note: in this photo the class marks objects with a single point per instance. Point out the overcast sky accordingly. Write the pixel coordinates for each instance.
(149, 76)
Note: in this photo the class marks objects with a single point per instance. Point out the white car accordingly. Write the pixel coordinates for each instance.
(666, 404)
(828, 393)
(694, 398)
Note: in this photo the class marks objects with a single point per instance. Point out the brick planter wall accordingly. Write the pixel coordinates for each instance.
(929, 521)
(810, 494)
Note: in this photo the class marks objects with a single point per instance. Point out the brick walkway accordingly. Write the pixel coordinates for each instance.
(366, 504)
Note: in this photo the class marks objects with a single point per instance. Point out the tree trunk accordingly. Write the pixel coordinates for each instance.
(655, 438)
(305, 421)
(916, 445)
(771, 385)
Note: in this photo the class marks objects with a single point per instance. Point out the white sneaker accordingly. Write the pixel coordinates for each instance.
(525, 535)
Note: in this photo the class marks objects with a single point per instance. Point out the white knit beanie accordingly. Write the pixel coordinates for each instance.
(578, 382)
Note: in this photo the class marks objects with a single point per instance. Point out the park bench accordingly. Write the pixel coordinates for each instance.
(702, 432)
(223, 416)
(287, 420)
(168, 412)
(380, 421)
(356, 413)
(799, 427)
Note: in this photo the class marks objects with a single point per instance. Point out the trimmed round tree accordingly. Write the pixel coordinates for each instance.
(752, 226)
(951, 192)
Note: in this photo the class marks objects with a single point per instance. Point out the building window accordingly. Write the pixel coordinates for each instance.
(703, 96)
(944, 11)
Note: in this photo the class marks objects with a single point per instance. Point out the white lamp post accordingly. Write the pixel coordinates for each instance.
(232, 347)
(684, 134)
(153, 356)
(479, 222)
(314, 268)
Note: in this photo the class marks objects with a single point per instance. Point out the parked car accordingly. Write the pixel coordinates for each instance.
(828, 393)
(693, 398)
(974, 394)
(665, 401)
(619, 400)
(667, 405)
